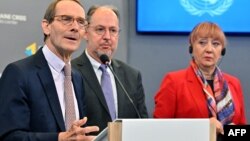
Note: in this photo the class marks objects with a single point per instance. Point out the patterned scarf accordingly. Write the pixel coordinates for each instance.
(219, 100)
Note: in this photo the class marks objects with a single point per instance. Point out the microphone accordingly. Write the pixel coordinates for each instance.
(105, 60)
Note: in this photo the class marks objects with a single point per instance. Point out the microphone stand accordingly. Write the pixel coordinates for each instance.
(138, 114)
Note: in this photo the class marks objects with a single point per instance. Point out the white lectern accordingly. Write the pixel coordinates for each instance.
(159, 130)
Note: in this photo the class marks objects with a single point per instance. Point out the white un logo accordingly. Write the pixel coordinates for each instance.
(211, 7)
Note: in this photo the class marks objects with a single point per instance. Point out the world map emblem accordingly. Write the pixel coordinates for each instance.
(211, 7)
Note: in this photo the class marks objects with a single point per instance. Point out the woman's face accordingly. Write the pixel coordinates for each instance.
(207, 52)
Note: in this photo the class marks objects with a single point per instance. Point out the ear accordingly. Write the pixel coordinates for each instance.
(46, 27)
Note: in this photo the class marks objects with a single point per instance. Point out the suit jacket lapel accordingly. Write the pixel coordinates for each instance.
(77, 88)
(197, 92)
(47, 81)
(121, 96)
(90, 76)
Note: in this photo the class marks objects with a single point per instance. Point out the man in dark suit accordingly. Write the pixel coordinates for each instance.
(102, 35)
(32, 95)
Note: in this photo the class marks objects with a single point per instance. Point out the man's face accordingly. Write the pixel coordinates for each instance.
(65, 32)
(102, 33)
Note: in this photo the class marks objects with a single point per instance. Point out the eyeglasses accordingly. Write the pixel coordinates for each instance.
(100, 30)
(68, 20)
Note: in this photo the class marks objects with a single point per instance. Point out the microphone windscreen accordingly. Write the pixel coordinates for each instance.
(104, 58)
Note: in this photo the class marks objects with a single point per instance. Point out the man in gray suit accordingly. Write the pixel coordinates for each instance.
(102, 34)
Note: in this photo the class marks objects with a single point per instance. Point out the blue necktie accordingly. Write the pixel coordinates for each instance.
(107, 90)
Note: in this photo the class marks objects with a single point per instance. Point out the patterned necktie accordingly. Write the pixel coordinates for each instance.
(70, 115)
(107, 90)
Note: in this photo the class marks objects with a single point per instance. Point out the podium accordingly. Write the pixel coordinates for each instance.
(159, 130)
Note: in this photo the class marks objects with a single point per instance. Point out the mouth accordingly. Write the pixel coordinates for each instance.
(72, 38)
(105, 46)
(208, 58)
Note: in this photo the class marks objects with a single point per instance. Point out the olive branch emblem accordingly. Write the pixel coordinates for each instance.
(212, 12)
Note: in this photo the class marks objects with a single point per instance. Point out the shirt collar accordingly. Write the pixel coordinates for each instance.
(94, 63)
(54, 61)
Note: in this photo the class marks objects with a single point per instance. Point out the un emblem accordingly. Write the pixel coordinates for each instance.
(211, 7)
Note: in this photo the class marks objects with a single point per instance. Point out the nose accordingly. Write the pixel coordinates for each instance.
(107, 34)
(209, 47)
